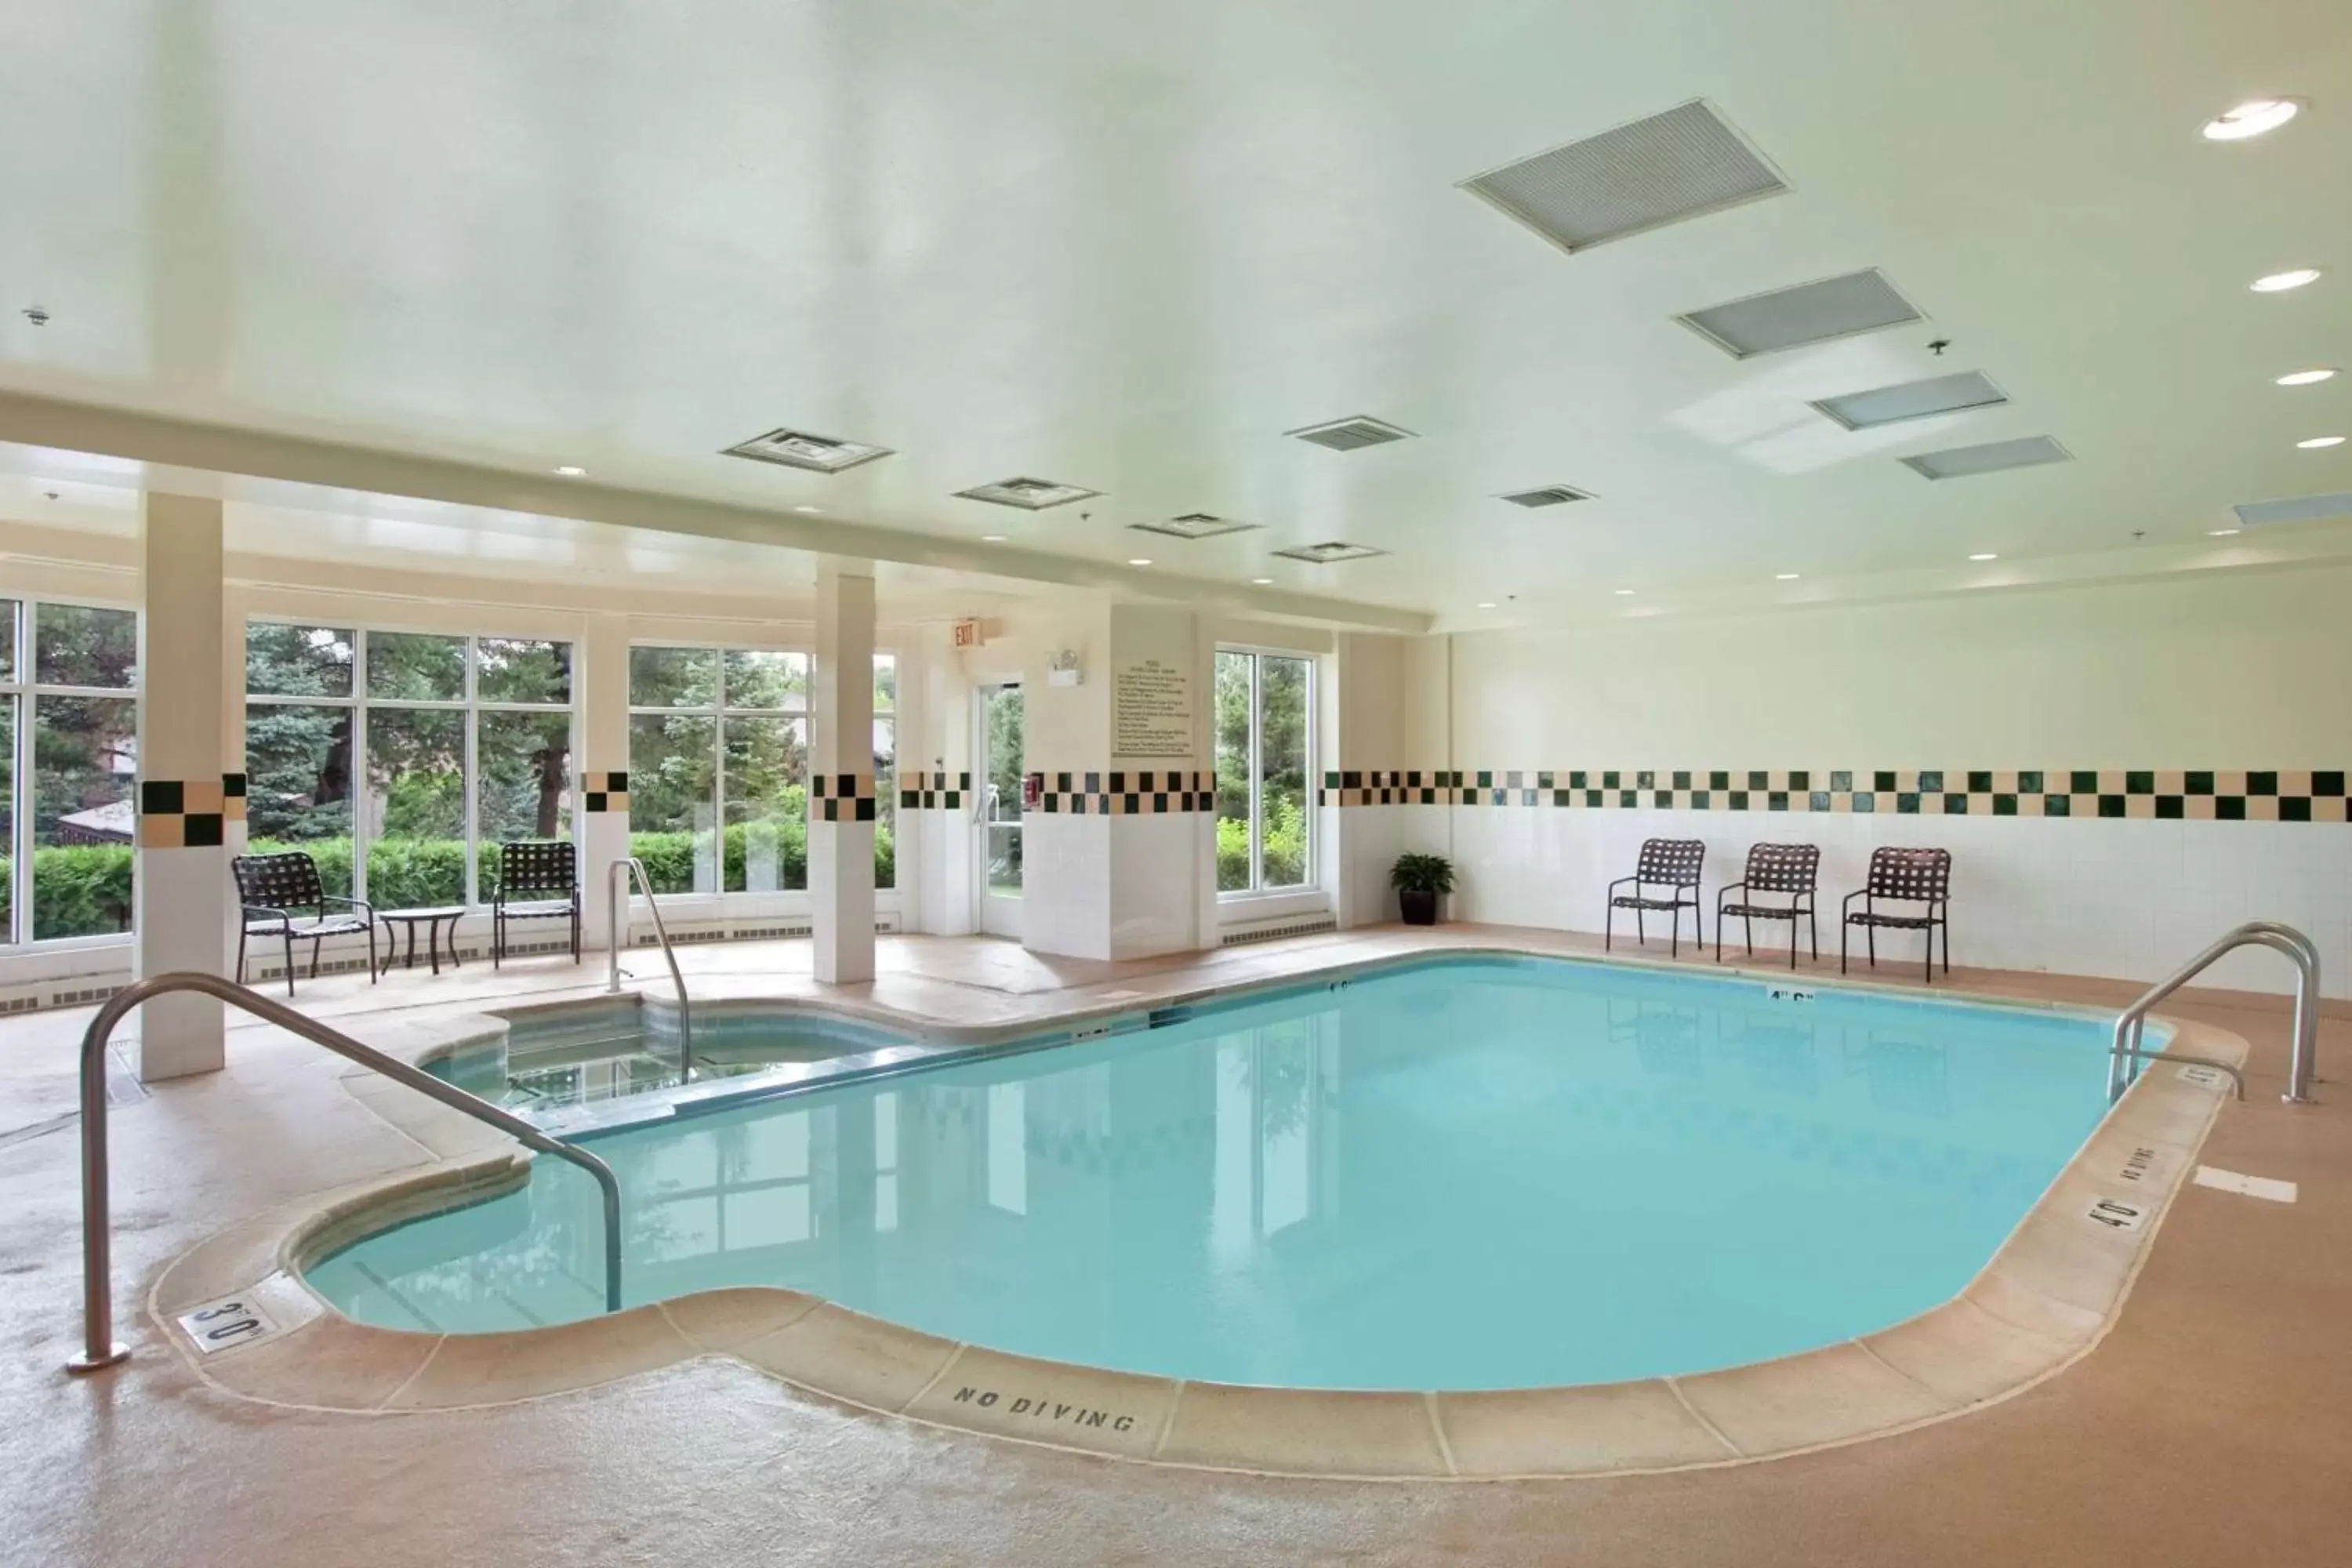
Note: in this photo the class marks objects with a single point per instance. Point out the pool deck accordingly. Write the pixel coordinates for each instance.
(2211, 1422)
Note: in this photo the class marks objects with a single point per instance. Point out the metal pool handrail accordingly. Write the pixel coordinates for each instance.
(2285, 939)
(616, 883)
(99, 1348)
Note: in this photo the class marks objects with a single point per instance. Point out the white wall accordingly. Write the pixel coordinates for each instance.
(2244, 672)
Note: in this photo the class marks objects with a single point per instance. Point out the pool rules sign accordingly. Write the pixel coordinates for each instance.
(1152, 710)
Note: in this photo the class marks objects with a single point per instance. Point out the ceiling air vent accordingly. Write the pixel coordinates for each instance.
(1912, 400)
(1194, 525)
(1351, 434)
(1549, 495)
(2302, 509)
(1959, 462)
(1808, 313)
(1029, 495)
(799, 449)
(1331, 550)
(1672, 166)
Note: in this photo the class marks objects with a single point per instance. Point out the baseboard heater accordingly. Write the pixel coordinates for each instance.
(1273, 931)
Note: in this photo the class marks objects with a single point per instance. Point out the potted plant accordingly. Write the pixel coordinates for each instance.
(1420, 880)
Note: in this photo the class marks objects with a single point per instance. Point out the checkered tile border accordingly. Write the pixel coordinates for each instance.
(189, 814)
(605, 792)
(1149, 793)
(829, 793)
(933, 792)
(2195, 796)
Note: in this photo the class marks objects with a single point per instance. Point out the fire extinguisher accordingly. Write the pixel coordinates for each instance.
(1032, 789)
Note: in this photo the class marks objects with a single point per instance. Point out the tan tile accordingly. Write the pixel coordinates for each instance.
(851, 1356)
(1293, 1431)
(2015, 1301)
(330, 1362)
(1823, 1397)
(1574, 1431)
(492, 1369)
(723, 1320)
(1965, 1353)
(1049, 1402)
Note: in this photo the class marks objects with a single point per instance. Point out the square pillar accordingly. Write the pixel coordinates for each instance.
(841, 774)
(191, 782)
(602, 672)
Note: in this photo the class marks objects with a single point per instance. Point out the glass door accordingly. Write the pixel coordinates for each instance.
(998, 832)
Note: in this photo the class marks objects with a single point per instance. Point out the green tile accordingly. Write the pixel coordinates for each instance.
(2030, 781)
(2140, 783)
(2082, 783)
(1718, 779)
(1843, 781)
(1980, 782)
(2057, 805)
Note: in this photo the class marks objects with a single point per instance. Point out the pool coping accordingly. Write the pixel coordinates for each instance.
(2045, 1300)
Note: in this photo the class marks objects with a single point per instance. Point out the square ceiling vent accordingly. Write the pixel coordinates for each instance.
(1547, 495)
(799, 449)
(1327, 552)
(1029, 495)
(2299, 509)
(1913, 400)
(1194, 525)
(1819, 312)
(1960, 462)
(1679, 164)
(1351, 435)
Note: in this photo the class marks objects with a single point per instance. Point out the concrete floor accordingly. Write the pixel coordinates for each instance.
(2213, 1425)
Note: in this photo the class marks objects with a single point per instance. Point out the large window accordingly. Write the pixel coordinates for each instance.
(464, 743)
(719, 755)
(1264, 719)
(68, 727)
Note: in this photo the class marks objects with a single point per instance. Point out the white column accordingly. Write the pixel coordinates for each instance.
(601, 670)
(841, 774)
(190, 783)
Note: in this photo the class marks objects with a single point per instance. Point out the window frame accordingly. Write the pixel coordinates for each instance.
(718, 710)
(1312, 882)
(468, 702)
(21, 688)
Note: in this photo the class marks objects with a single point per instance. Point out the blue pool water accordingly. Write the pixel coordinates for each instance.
(1463, 1174)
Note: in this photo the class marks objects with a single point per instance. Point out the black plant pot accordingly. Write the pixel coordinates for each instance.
(1419, 906)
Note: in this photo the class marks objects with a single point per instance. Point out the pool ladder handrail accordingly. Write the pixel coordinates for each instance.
(99, 1347)
(616, 898)
(2132, 1021)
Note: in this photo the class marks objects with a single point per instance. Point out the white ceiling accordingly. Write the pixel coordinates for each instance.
(1129, 244)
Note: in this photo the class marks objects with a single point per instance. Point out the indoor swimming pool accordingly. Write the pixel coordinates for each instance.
(1449, 1173)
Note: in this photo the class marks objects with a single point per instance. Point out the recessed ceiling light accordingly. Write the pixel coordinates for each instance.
(2279, 283)
(1784, 577)
(1485, 603)
(1139, 561)
(806, 509)
(991, 539)
(1984, 555)
(2251, 118)
(1263, 581)
(2321, 441)
(2307, 378)
(1624, 593)
(571, 471)
(2221, 532)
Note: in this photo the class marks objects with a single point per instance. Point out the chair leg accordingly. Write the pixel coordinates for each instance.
(315, 942)
(289, 962)
(1792, 942)
(1675, 931)
(1608, 924)
(1870, 935)
(1719, 929)
(370, 930)
(1812, 919)
(240, 953)
(498, 939)
(1641, 926)
(1845, 942)
(1930, 934)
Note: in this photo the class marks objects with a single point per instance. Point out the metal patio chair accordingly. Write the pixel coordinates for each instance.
(1672, 864)
(527, 873)
(1911, 876)
(1786, 870)
(272, 888)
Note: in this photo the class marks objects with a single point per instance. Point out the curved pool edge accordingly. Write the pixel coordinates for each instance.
(2045, 1300)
